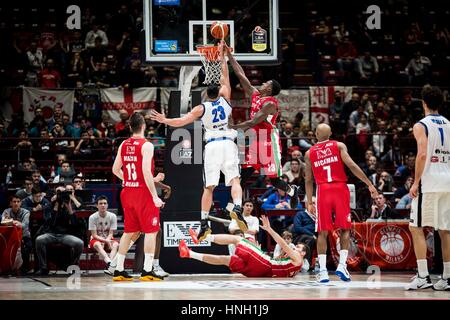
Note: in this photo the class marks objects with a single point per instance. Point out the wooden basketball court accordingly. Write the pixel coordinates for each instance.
(212, 287)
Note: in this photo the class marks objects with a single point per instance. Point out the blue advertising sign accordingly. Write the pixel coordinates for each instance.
(170, 46)
(166, 2)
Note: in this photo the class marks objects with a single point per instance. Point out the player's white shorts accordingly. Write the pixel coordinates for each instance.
(219, 156)
(431, 209)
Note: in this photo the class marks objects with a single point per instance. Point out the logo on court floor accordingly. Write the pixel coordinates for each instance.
(175, 231)
(392, 244)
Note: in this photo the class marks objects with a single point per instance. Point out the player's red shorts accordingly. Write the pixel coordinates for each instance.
(333, 198)
(93, 241)
(265, 155)
(140, 213)
(250, 261)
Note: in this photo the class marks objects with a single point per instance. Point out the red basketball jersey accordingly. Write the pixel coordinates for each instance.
(257, 103)
(284, 268)
(132, 163)
(326, 162)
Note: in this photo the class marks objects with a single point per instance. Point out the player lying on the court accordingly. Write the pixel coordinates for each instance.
(264, 152)
(250, 260)
(221, 152)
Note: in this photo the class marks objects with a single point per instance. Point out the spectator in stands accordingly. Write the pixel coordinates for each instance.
(278, 252)
(26, 191)
(122, 125)
(25, 165)
(75, 44)
(296, 154)
(385, 183)
(380, 111)
(355, 118)
(404, 202)
(50, 77)
(39, 182)
(404, 189)
(405, 129)
(392, 106)
(336, 107)
(67, 125)
(66, 174)
(59, 228)
(296, 173)
(303, 228)
(287, 137)
(76, 70)
(134, 77)
(97, 55)
(270, 188)
(320, 35)
(63, 143)
(394, 155)
(21, 218)
(367, 68)
(134, 57)
(92, 36)
(407, 169)
(380, 210)
(366, 103)
(341, 33)
(45, 147)
(308, 142)
(346, 54)
(102, 225)
(252, 222)
(348, 108)
(24, 142)
(379, 140)
(157, 141)
(362, 131)
(278, 200)
(35, 64)
(101, 77)
(78, 183)
(86, 146)
(418, 69)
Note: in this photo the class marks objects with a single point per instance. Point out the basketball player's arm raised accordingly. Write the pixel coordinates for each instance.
(355, 169)
(267, 109)
(245, 83)
(309, 186)
(117, 166)
(147, 155)
(422, 146)
(294, 255)
(225, 87)
(190, 117)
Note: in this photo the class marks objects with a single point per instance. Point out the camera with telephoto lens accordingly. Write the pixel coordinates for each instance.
(63, 196)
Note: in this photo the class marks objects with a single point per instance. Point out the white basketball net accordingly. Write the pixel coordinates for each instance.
(212, 65)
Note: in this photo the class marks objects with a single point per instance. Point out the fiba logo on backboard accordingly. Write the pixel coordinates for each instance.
(392, 244)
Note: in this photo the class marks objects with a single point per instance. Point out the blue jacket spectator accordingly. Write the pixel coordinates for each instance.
(404, 203)
(278, 200)
(303, 223)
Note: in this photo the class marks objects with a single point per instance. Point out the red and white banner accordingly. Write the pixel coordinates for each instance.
(292, 102)
(321, 99)
(387, 245)
(47, 100)
(130, 100)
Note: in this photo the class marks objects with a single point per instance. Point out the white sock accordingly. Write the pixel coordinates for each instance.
(290, 191)
(120, 262)
(148, 262)
(210, 237)
(196, 255)
(237, 202)
(155, 262)
(323, 262)
(204, 215)
(422, 268)
(114, 260)
(446, 273)
(343, 257)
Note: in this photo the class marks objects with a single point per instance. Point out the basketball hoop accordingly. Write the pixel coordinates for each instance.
(209, 55)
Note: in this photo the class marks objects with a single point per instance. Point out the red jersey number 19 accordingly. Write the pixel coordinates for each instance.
(328, 170)
(131, 169)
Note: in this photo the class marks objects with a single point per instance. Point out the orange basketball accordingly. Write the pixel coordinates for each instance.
(219, 30)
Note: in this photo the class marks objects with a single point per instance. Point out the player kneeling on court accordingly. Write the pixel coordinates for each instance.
(249, 259)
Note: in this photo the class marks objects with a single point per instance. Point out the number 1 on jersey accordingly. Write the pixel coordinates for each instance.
(131, 169)
(328, 170)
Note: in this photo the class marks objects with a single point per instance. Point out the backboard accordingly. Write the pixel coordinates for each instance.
(173, 29)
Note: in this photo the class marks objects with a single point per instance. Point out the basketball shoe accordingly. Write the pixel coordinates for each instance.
(150, 276)
(342, 272)
(442, 285)
(294, 196)
(121, 276)
(236, 214)
(322, 276)
(205, 230)
(160, 271)
(183, 249)
(419, 283)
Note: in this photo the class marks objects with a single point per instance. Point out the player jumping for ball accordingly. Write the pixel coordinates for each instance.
(221, 153)
(325, 161)
(264, 152)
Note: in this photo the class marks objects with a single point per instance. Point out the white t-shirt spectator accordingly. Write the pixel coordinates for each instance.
(277, 251)
(252, 222)
(103, 224)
